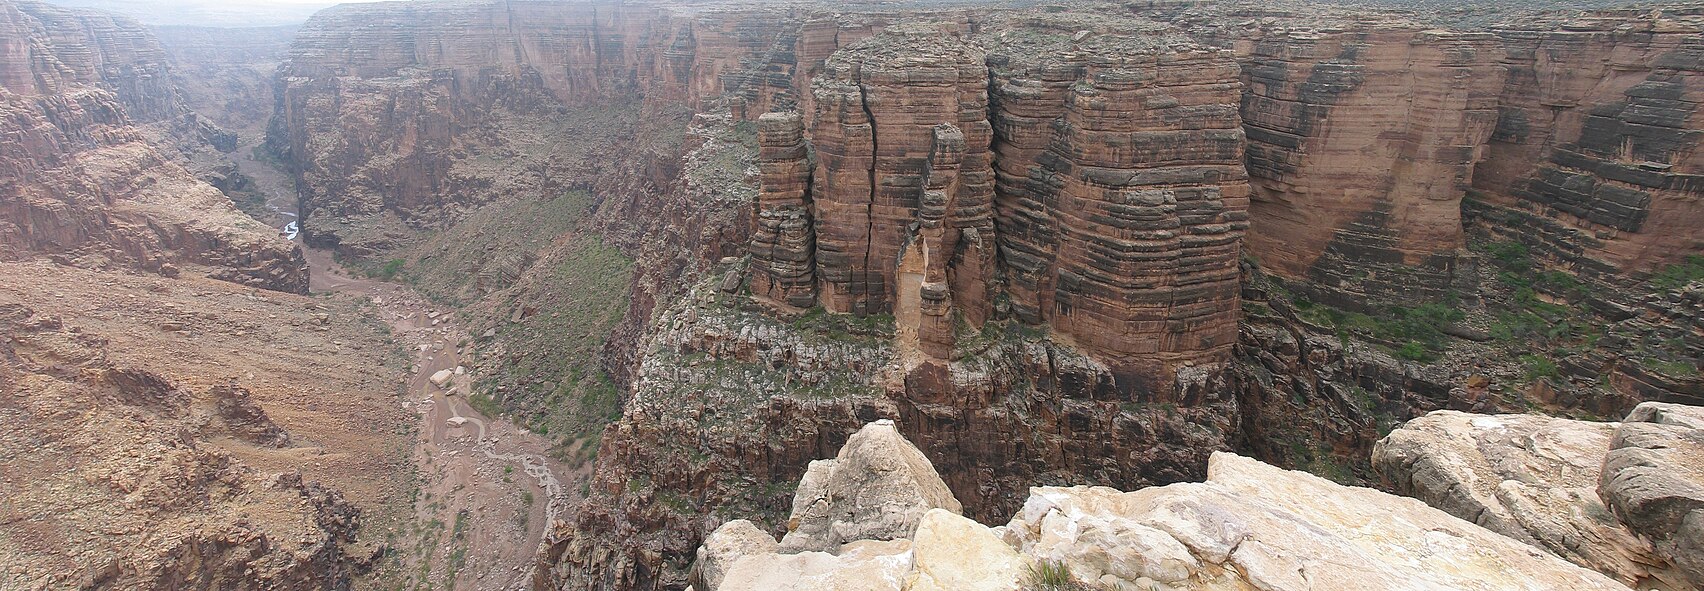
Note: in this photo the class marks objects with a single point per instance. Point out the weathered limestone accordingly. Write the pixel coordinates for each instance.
(952, 553)
(858, 566)
(877, 488)
(1653, 480)
(723, 547)
(1249, 525)
(783, 242)
(1532, 478)
(1255, 525)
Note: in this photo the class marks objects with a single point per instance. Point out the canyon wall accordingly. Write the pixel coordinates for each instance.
(91, 173)
(1017, 233)
(1367, 131)
(1361, 145)
(396, 117)
(225, 74)
(1594, 162)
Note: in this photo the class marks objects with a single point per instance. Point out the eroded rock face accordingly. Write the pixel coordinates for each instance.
(1250, 525)
(1122, 230)
(878, 103)
(783, 243)
(84, 183)
(1529, 477)
(877, 488)
(1594, 161)
(1255, 525)
(1364, 201)
(1653, 481)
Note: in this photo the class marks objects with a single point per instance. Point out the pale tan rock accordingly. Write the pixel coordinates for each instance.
(1530, 477)
(723, 547)
(859, 566)
(952, 553)
(1653, 480)
(878, 488)
(1252, 525)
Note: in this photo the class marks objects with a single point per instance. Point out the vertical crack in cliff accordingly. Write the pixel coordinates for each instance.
(870, 205)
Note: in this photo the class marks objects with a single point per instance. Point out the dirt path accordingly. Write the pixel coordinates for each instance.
(488, 490)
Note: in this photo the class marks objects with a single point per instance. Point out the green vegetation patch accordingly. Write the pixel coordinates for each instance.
(549, 372)
(1677, 275)
(1416, 333)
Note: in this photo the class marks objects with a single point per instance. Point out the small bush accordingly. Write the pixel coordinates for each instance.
(1538, 367)
(390, 269)
(1413, 351)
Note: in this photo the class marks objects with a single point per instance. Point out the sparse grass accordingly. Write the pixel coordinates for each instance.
(1669, 368)
(1053, 575)
(1419, 330)
(1679, 274)
(1538, 367)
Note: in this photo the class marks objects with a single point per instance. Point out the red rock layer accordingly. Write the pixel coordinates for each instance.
(79, 181)
(877, 105)
(1361, 146)
(783, 244)
(1595, 159)
(1122, 193)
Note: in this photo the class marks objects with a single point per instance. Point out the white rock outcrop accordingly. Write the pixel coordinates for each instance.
(1530, 477)
(1249, 526)
(877, 488)
(1653, 480)
(1252, 525)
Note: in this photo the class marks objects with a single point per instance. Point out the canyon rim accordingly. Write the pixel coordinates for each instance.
(611, 295)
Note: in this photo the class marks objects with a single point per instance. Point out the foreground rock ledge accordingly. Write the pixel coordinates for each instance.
(1249, 526)
(1614, 497)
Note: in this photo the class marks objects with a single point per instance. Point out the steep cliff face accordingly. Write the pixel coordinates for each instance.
(1122, 196)
(225, 74)
(86, 182)
(1362, 143)
(1595, 162)
(1116, 160)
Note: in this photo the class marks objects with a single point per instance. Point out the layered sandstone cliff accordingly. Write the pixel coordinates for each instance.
(1594, 162)
(85, 181)
(1122, 198)
(1362, 144)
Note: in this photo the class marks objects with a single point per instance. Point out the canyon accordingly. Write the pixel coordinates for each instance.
(677, 254)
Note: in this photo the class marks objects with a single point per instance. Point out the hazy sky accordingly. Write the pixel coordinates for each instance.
(216, 13)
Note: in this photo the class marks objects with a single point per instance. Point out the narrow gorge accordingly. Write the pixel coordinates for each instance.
(779, 296)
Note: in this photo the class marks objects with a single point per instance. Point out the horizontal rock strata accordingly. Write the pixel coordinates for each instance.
(84, 183)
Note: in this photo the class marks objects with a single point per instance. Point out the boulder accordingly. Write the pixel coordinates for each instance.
(442, 377)
(859, 566)
(1530, 477)
(730, 542)
(877, 488)
(952, 553)
(1653, 480)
